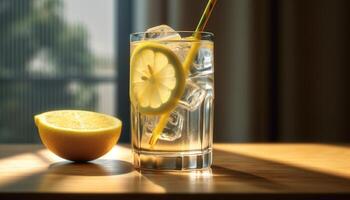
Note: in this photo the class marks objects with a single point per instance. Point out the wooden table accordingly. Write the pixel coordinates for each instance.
(240, 171)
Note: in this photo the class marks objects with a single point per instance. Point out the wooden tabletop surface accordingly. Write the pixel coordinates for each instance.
(240, 171)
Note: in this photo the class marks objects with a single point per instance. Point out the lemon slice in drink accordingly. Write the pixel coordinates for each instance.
(78, 135)
(157, 78)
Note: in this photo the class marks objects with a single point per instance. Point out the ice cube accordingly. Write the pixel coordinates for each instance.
(172, 130)
(181, 49)
(192, 97)
(149, 122)
(162, 32)
(203, 63)
(205, 82)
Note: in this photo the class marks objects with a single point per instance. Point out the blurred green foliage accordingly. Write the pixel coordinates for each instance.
(35, 30)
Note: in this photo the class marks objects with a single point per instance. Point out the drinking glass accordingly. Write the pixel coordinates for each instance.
(185, 143)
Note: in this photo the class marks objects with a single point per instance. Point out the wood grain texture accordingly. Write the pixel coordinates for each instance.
(240, 171)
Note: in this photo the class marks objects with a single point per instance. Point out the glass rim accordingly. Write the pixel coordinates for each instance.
(205, 35)
(201, 32)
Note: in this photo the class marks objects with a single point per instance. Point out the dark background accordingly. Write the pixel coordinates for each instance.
(281, 67)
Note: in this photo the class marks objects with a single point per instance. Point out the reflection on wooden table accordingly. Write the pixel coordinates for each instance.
(249, 170)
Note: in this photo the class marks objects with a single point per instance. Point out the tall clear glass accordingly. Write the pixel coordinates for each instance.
(186, 141)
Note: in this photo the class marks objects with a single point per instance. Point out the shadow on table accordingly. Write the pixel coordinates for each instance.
(99, 167)
(245, 174)
(204, 180)
(59, 171)
(231, 173)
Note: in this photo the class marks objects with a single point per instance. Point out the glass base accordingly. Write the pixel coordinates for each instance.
(153, 160)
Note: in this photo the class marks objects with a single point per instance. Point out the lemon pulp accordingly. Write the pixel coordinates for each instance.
(157, 78)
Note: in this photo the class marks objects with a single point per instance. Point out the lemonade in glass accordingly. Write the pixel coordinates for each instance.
(171, 94)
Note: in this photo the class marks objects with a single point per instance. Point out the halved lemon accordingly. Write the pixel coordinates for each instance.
(78, 135)
(157, 78)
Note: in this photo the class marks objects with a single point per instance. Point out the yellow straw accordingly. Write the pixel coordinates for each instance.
(163, 120)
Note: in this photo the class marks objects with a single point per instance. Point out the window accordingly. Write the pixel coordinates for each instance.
(54, 54)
